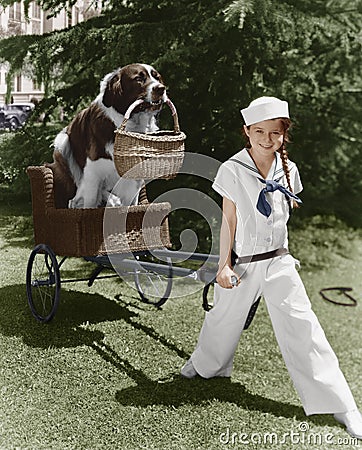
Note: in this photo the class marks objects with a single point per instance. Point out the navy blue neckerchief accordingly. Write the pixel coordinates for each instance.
(263, 205)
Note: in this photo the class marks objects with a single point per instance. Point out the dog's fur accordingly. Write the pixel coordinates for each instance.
(83, 168)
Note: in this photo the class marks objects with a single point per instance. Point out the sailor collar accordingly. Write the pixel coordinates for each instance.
(245, 159)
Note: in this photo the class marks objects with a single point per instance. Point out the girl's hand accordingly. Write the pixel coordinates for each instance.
(226, 278)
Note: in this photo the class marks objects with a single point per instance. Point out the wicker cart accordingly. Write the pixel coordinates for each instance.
(80, 233)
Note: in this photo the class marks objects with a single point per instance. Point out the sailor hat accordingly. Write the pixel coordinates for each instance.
(265, 108)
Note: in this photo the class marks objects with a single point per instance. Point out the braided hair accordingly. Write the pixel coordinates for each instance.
(283, 153)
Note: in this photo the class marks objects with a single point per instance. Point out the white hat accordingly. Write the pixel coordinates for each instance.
(265, 108)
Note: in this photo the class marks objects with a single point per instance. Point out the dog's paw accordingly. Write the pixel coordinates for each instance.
(76, 202)
(113, 200)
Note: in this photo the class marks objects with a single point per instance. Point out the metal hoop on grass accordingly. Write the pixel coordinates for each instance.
(341, 291)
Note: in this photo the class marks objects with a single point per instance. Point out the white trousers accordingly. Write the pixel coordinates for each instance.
(309, 358)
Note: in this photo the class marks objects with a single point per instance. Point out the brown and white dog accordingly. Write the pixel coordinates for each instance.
(83, 168)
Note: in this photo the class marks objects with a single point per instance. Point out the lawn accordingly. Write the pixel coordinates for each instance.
(104, 374)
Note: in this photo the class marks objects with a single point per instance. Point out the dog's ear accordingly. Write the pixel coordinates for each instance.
(160, 79)
(112, 89)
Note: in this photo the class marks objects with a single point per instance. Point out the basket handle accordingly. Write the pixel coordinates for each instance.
(130, 109)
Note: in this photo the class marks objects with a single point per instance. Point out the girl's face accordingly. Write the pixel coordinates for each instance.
(266, 137)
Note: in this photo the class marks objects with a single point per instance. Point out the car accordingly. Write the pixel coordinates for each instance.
(16, 114)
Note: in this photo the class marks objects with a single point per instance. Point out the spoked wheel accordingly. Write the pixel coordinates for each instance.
(43, 283)
(154, 286)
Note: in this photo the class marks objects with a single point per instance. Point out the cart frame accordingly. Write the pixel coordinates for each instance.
(64, 233)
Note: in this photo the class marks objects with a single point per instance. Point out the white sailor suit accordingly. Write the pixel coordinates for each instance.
(308, 356)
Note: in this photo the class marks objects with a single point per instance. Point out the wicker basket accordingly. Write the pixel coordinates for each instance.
(149, 155)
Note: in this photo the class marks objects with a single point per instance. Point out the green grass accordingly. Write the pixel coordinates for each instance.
(104, 374)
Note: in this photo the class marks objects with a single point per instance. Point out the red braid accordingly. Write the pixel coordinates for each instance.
(284, 156)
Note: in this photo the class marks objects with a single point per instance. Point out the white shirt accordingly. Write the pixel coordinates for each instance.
(237, 180)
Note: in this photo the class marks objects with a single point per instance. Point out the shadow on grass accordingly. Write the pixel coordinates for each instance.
(179, 391)
(67, 330)
(68, 327)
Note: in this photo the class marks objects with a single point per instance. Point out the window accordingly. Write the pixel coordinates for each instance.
(75, 15)
(15, 12)
(18, 84)
(36, 11)
(18, 11)
(35, 26)
(36, 86)
(12, 12)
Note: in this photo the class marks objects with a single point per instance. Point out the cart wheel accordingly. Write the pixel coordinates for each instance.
(43, 283)
(152, 286)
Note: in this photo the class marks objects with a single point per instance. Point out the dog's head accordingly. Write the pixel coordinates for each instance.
(130, 83)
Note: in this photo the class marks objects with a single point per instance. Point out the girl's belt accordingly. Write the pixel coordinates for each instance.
(261, 256)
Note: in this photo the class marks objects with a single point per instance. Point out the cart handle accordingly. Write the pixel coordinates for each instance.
(130, 109)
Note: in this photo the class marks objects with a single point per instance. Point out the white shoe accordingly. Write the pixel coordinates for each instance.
(353, 422)
(188, 370)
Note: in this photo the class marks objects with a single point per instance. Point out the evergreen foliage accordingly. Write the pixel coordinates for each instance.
(216, 57)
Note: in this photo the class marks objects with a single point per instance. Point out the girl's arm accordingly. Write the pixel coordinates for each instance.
(227, 235)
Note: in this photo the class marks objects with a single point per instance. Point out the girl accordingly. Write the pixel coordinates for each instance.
(258, 186)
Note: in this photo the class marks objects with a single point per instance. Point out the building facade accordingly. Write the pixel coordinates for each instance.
(14, 22)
